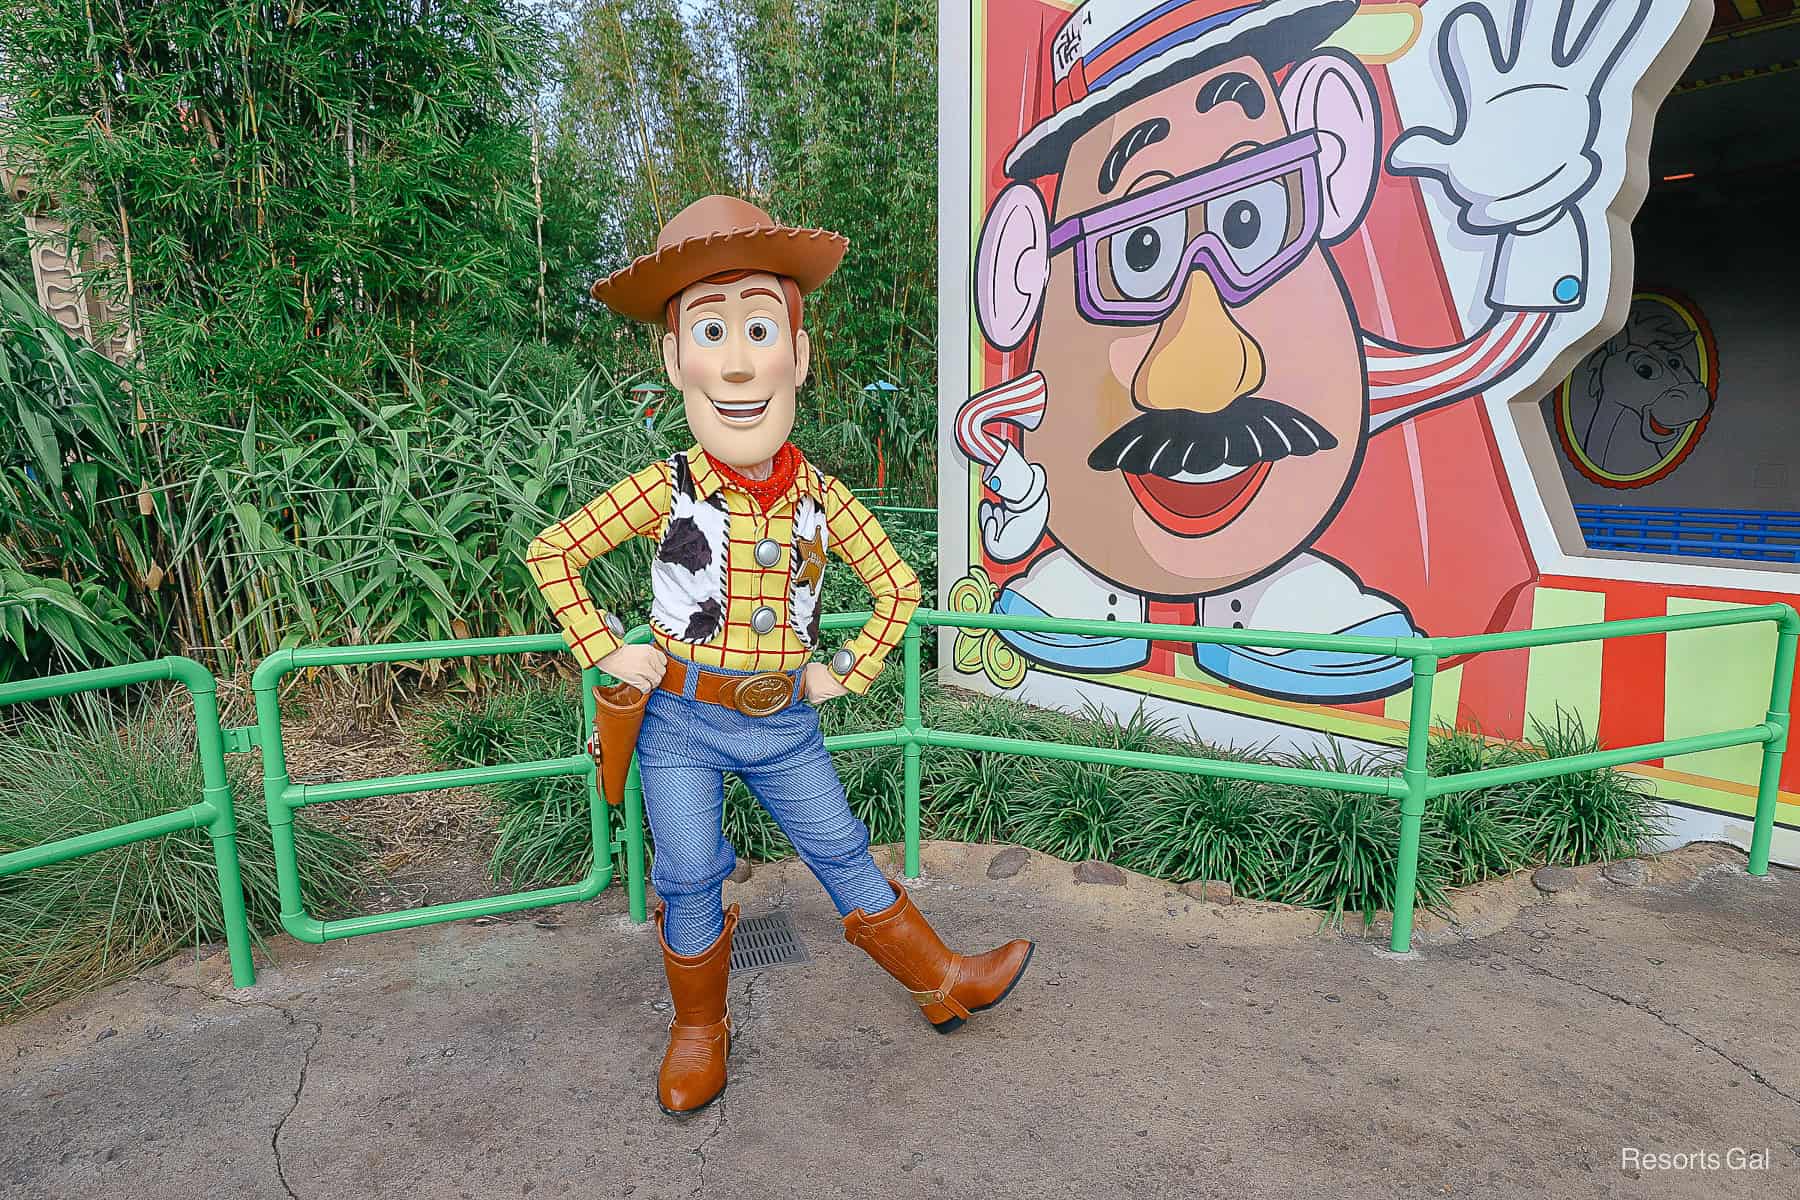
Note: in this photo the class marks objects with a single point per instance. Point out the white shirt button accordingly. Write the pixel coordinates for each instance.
(763, 619)
(768, 552)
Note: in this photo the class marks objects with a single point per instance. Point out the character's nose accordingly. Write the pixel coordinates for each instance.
(1201, 359)
(738, 367)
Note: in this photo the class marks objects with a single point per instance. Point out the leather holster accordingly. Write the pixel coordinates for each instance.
(618, 715)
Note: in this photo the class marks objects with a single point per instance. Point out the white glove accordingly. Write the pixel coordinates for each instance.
(1011, 528)
(1527, 116)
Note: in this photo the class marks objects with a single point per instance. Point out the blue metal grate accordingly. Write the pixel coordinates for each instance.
(1739, 533)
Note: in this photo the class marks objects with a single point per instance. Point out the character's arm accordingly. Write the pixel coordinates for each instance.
(858, 539)
(633, 506)
(1405, 381)
(1012, 527)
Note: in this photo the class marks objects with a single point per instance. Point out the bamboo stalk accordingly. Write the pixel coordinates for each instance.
(537, 196)
(637, 113)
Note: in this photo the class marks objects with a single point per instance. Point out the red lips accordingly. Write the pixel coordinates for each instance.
(1196, 509)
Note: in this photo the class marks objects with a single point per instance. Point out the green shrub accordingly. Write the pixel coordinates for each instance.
(971, 794)
(1197, 827)
(77, 925)
(1338, 851)
(1590, 816)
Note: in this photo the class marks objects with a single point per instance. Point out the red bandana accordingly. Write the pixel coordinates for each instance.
(766, 491)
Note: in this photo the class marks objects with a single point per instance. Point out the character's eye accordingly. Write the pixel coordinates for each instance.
(1674, 363)
(1144, 260)
(1253, 221)
(1645, 368)
(709, 331)
(760, 330)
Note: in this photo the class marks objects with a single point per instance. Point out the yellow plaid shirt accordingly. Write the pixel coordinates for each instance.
(639, 506)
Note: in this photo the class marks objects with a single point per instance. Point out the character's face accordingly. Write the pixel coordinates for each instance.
(737, 362)
(1206, 402)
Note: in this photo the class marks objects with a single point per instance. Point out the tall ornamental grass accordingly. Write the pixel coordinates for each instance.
(77, 925)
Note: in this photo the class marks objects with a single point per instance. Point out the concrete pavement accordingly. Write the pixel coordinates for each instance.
(1157, 1046)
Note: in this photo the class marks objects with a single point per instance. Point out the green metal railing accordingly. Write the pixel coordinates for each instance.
(214, 812)
(1411, 788)
(283, 796)
(1415, 784)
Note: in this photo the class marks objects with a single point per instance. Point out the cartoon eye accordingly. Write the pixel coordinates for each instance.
(709, 331)
(1645, 368)
(760, 331)
(1253, 221)
(1674, 362)
(1144, 260)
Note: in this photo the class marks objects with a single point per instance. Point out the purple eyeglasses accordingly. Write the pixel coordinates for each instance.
(1244, 222)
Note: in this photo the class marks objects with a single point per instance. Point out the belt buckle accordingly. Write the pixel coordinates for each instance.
(762, 695)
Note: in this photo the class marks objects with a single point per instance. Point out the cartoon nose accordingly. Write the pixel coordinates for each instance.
(738, 368)
(1201, 359)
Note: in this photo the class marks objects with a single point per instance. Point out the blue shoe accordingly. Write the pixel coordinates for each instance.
(1068, 651)
(1321, 676)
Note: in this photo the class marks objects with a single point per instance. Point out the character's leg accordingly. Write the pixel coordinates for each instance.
(684, 801)
(799, 786)
(793, 777)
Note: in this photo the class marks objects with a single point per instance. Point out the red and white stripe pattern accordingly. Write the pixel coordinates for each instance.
(1017, 402)
(1405, 381)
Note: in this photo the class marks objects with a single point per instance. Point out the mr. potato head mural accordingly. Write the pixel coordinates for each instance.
(1191, 386)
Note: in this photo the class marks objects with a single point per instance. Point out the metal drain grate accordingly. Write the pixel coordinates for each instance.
(767, 941)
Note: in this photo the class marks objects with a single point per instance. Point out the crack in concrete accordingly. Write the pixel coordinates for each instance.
(318, 1033)
(1747, 1069)
(700, 1150)
(299, 1087)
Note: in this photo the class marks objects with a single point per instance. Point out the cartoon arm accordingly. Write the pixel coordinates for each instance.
(1011, 527)
(1405, 381)
(1522, 152)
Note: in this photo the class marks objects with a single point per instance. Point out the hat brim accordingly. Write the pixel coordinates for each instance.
(642, 290)
(1279, 33)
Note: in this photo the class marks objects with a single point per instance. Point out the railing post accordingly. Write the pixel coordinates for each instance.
(1412, 801)
(1768, 782)
(222, 828)
(634, 844)
(913, 724)
(265, 684)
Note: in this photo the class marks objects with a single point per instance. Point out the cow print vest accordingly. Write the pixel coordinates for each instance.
(687, 574)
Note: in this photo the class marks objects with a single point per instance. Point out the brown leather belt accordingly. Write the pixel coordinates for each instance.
(761, 695)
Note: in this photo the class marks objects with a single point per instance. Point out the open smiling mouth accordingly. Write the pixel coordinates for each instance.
(1195, 473)
(741, 412)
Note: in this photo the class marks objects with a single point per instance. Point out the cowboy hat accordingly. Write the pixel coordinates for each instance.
(712, 235)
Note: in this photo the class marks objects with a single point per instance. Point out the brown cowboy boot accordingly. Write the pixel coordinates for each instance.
(948, 986)
(693, 1067)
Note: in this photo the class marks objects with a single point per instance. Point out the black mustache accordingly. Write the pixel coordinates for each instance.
(1249, 430)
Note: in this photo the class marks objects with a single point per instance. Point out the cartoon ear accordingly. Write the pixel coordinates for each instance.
(1012, 265)
(1330, 92)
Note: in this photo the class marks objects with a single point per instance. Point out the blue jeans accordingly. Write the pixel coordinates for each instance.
(683, 751)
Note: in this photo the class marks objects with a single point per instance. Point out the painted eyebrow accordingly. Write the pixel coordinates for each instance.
(1233, 87)
(715, 298)
(756, 291)
(1146, 133)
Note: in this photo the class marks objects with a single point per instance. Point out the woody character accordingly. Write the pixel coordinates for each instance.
(743, 524)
